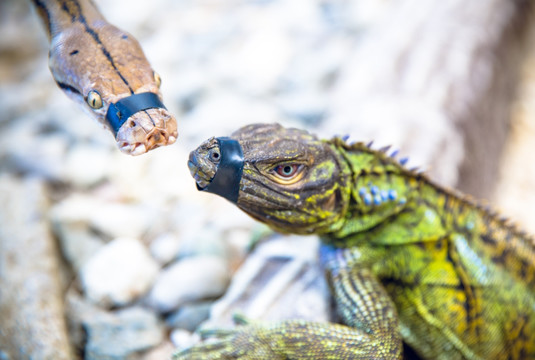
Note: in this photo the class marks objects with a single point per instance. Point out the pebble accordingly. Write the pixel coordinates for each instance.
(203, 241)
(77, 243)
(189, 316)
(87, 165)
(189, 279)
(183, 339)
(119, 273)
(165, 248)
(118, 219)
(114, 219)
(121, 334)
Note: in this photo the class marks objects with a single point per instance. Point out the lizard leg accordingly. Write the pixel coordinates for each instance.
(363, 303)
(371, 331)
(289, 339)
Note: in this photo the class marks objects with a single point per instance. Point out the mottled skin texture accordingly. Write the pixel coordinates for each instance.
(406, 260)
(96, 64)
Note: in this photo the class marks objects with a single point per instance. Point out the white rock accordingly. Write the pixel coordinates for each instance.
(118, 220)
(183, 339)
(165, 248)
(203, 241)
(119, 273)
(111, 218)
(86, 165)
(190, 279)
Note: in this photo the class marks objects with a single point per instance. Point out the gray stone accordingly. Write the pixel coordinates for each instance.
(122, 334)
(190, 279)
(78, 244)
(118, 273)
(189, 316)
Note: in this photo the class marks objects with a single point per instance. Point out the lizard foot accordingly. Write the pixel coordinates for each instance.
(247, 341)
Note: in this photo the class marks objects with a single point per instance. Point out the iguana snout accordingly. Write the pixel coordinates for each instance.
(217, 167)
(203, 162)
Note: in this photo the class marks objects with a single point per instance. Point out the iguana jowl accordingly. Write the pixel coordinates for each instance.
(406, 260)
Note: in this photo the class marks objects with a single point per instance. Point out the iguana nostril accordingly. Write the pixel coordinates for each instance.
(193, 169)
(192, 158)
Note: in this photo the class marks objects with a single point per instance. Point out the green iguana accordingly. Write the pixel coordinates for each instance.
(406, 260)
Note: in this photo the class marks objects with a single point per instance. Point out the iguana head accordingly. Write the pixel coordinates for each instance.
(286, 178)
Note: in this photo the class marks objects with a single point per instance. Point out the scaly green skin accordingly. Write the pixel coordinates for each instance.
(406, 260)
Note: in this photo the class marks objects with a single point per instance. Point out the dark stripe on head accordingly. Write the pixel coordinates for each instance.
(69, 88)
(78, 16)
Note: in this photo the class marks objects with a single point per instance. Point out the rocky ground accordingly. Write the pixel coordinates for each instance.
(142, 255)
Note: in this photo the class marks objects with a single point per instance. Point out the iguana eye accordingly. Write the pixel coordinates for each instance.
(287, 174)
(287, 171)
(94, 99)
(215, 156)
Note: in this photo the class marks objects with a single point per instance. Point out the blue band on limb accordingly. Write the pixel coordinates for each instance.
(226, 182)
(119, 112)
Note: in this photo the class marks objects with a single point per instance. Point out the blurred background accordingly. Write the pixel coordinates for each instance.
(106, 256)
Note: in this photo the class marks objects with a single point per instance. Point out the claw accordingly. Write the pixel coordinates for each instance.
(241, 319)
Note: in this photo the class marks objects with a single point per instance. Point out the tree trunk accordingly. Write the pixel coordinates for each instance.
(438, 79)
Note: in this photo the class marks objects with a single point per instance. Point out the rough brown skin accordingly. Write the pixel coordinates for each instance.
(88, 55)
(407, 261)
